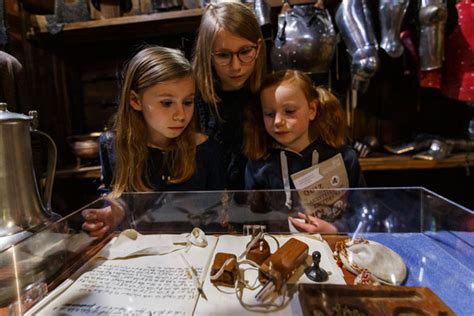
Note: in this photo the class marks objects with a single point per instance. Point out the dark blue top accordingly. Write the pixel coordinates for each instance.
(265, 174)
(227, 131)
(209, 174)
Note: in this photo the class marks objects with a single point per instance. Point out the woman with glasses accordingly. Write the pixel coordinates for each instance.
(229, 63)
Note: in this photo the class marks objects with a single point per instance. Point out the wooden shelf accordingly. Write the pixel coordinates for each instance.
(159, 25)
(407, 162)
(92, 172)
(367, 164)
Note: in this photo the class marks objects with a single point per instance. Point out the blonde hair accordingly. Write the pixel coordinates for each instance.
(329, 125)
(233, 17)
(150, 66)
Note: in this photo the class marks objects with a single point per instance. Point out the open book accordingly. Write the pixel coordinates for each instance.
(149, 277)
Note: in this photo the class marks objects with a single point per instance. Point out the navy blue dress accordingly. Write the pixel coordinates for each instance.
(227, 132)
(209, 174)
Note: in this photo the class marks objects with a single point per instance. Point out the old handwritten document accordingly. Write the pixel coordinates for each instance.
(147, 275)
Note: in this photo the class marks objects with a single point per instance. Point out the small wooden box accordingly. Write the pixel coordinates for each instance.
(229, 276)
(260, 252)
(280, 266)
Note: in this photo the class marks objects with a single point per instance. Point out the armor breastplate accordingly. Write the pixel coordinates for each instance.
(433, 15)
(391, 13)
(355, 25)
(305, 40)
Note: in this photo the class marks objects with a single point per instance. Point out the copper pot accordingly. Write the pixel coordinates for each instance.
(86, 145)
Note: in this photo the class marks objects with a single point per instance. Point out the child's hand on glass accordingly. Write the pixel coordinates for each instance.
(100, 221)
(312, 224)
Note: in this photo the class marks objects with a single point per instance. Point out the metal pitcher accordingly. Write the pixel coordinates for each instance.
(22, 210)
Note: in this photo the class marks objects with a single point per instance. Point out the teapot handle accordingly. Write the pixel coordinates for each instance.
(50, 170)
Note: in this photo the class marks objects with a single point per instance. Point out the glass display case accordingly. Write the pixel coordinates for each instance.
(432, 235)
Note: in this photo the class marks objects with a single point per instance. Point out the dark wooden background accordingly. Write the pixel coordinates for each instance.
(73, 82)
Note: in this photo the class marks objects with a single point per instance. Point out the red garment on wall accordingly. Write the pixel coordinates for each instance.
(458, 70)
(430, 78)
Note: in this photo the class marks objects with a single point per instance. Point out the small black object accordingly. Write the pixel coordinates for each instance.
(315, 272)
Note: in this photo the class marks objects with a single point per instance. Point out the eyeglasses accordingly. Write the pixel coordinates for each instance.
(246, 54)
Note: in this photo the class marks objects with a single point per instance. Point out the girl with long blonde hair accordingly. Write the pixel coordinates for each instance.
(229, 62)
(154, 145)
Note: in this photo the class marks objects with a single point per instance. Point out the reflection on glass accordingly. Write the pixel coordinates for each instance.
(432, 234)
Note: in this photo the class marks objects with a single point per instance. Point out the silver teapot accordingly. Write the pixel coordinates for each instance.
(22, 210)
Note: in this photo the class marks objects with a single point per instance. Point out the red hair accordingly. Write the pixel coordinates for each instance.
(329, 125)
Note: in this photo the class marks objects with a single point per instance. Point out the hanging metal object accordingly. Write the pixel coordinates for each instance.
(355, 24)
(305, 41)
(262, 12)
(391, 13)
(433, 15)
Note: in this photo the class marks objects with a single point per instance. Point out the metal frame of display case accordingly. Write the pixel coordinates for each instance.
(433, 235)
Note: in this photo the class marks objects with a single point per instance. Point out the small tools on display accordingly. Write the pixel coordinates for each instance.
(315, 272)
(279, 267)
(270, 275)
(193, 274)
(224, 270)
(259, 249)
